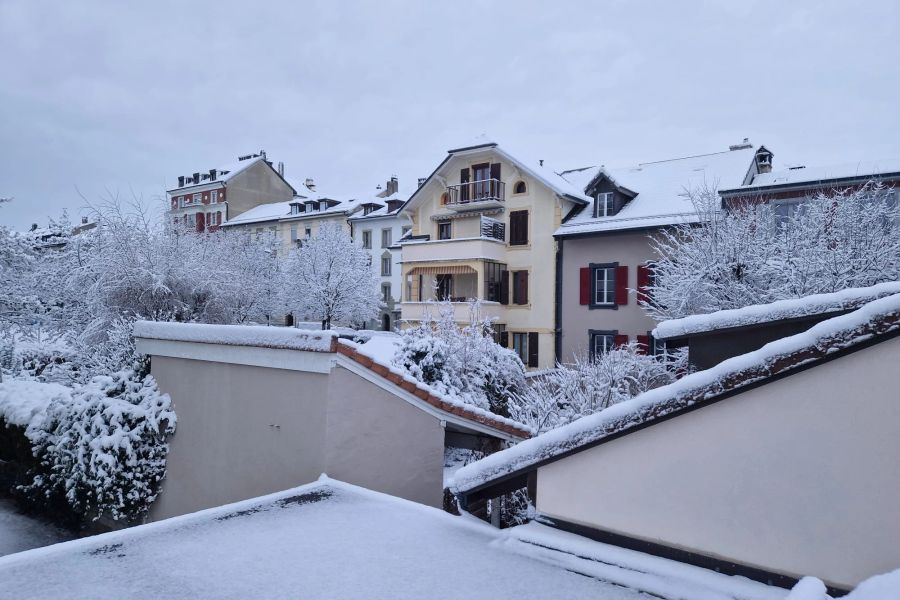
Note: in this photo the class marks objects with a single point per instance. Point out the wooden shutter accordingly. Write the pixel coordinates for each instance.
(504, 287)
(523, 285)
(584, 292)
(518, 228)
(620, 340)
(621, 285)
(643, 344)
(532, 348)
(504, 339)
(495, 185)
(643, 280)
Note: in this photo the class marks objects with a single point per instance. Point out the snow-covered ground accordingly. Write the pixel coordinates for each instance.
(332, 540)
(20, 532)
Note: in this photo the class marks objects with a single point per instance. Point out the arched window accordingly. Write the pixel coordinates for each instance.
(445, 198)
(519, 188)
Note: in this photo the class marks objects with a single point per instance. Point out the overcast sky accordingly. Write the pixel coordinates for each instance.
(122, 97)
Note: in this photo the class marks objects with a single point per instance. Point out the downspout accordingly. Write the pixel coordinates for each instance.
(557, 302)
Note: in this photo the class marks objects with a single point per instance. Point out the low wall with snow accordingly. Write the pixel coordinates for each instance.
(797, 476)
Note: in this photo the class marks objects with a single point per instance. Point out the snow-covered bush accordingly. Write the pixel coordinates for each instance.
(572, 391)
(461, 361)
(103, 450)
(328, 279)
(754, 255)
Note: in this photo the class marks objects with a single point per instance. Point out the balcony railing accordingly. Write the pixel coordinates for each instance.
(485, 190)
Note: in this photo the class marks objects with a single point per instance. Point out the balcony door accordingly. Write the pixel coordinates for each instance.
(481, 175)
(444, 286)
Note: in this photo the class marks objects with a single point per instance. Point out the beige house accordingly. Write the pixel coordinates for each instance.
(262, 409)
(775, 464)
(606, 248)
(482, 228)
(205, 201)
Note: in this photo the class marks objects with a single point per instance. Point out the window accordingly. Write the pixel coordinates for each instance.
(444, 286)
(603, 204)
(604, 285)
(385, 292)
(214, 197)
(323, 205)
(386, 238)
(295, 209)
(192, 220)
(444, 230)
(520, 287)
(520, 188)
(198, 198)
(601, 342)
(367, 240)
(293, 233)
(386, 265)
(785, 211)
(480, 176)
(518, 228)
(368, 208)
(520, 346)
(493, 278)
(445, 198)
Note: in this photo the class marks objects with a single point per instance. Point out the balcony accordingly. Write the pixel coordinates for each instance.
(473, 195)
(480, 248)
(416, 311)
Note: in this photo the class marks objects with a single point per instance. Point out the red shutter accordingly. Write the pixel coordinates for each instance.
(532, 349)
(621, 285)
(643, 280)
(643, 344)
(620, 340)
(584, 293)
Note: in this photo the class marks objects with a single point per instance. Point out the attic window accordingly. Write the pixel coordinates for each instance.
(520, 188)
(604, 205)
(323, 205)
(368, 208)
(295, 209)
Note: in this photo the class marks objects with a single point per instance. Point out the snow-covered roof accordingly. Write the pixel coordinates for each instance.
(223, 174)
(23, 403)
(238, 335)
(816, 174)
(874, 319)
(329, 540)
(377, 354)
(756, 314)
(661, 189)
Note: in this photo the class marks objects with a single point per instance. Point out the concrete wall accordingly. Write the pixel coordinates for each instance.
(244, 431)
(378, 441)
(226, 448)
(628, 249)
(798, 476)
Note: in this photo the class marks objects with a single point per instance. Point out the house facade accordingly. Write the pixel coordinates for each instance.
(205, 201)
(606, 249)
(379, 228)
(482, 228)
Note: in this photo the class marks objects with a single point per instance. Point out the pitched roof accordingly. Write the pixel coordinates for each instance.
(758, 314)
(873, 322)
(821, 174)
(661, 189)
(224, 173)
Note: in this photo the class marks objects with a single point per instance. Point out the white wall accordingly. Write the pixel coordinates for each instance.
(798, 476)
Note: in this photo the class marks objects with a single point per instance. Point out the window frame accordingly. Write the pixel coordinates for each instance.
(389, 231)
(367, 239)
(449, 227)
(516, 185)
(197, 198)
(386, 272)
(593, 334)
(386, 293)
(608, 204)
(611, 288)
(523, 355)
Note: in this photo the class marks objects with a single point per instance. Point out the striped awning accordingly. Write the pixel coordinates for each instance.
(443, 270)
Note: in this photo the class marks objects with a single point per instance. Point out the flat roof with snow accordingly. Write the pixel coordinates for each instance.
(332, 540)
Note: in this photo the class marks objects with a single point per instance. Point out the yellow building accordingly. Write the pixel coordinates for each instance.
(483, 226)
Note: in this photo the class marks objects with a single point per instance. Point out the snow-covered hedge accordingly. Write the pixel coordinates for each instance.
(101, 449)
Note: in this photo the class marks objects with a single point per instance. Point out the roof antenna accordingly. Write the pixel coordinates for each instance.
(541, 162)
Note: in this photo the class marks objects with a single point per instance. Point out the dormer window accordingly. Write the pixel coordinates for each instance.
(604, 205)
(368, 208)
(296, 209)
(322, 205)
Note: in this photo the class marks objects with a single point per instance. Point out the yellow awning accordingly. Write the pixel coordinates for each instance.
(443, 270)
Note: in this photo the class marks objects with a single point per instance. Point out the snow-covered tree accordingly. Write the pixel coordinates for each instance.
(461, 361)
(103, 451)
(572, 391)
(753, 254)
(329, 279)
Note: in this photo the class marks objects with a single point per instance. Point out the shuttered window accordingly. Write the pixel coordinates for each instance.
(518, 228)
(603, 285)
(525, 345)
(520, 287)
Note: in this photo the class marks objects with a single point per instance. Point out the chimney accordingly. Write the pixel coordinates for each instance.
(393, 185)
(281, 168)
(212, 174)
(742, 146)
(763, 160)
(422, 181)
(84, 220)
(263, 154)
(541, 162)
(196, 177)
(181, 181)
(310, 184)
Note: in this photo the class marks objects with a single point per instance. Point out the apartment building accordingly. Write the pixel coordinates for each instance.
(606, 248)
(379, 228)
(206, 200)
(482, 227)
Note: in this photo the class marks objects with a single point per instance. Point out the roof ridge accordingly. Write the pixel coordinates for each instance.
(655, 162)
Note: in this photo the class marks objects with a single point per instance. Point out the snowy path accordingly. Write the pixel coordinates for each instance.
(20, 532)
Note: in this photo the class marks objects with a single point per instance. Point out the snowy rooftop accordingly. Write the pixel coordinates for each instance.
(775, 311)
(332, 540)
(223, 173)
(802, 175)
(661, 189)
(875, 318)
(238, 335)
